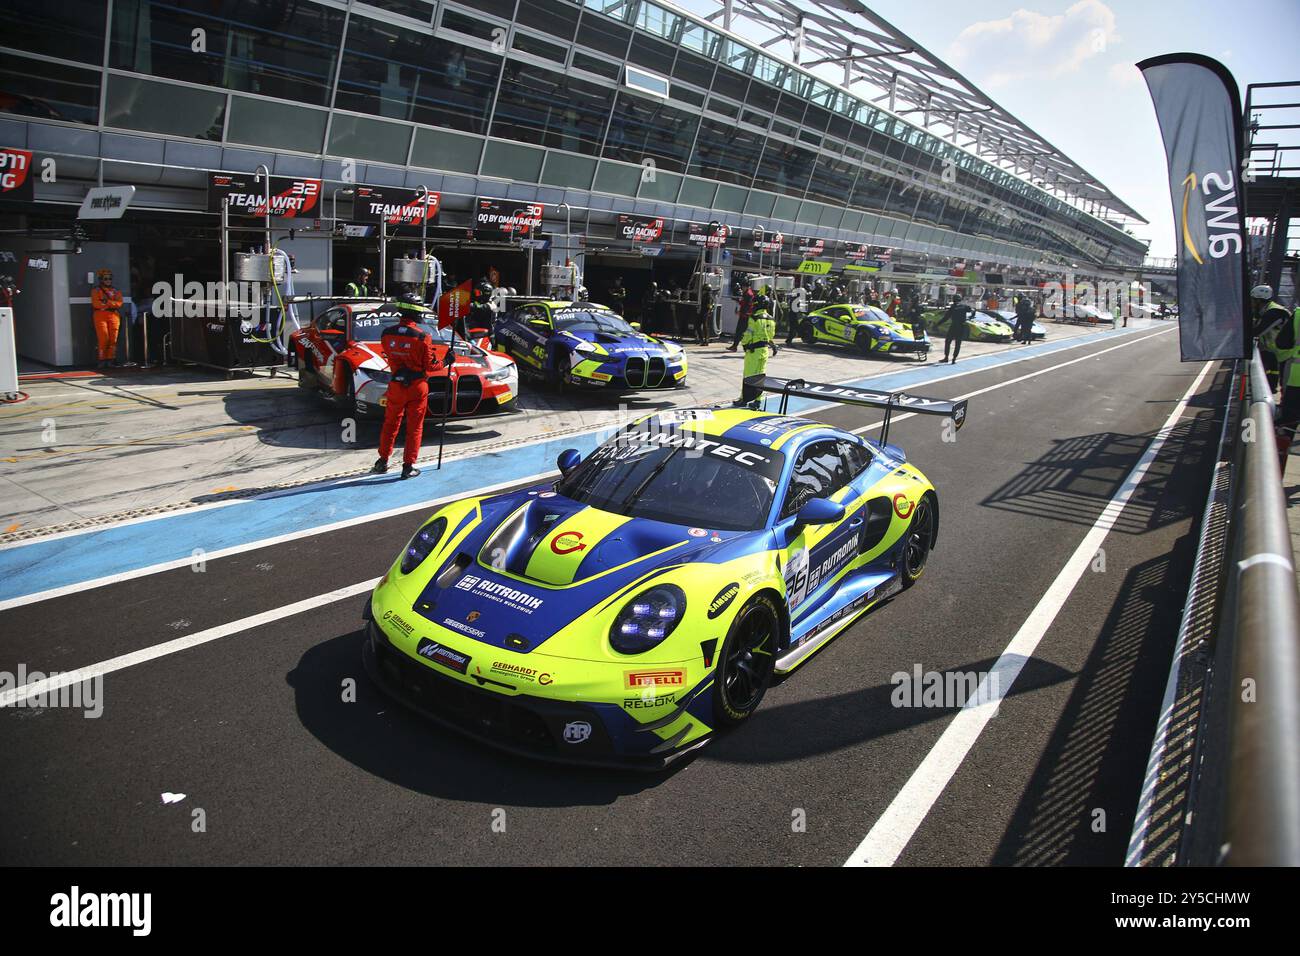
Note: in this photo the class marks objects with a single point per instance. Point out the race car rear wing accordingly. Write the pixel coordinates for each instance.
(866, 397)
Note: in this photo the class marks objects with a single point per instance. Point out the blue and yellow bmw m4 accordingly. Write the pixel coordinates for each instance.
(624, 613)
(581, 346)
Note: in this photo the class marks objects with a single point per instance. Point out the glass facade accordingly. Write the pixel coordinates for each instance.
(542, 80)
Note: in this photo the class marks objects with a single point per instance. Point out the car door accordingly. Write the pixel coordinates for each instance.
(525, 337)
(818, 552)
(836, 322)
(327, 337)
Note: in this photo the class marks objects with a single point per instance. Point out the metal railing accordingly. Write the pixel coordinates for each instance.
(1262, 825)
(1223, 778)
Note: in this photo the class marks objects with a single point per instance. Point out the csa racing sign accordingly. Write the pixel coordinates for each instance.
(395, 206)
(290, 198)
(640, 229)
(15, 175)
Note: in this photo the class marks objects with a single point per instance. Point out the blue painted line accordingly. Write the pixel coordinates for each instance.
(98, 553)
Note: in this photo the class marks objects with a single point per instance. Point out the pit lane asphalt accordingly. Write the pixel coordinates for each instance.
(253, 730)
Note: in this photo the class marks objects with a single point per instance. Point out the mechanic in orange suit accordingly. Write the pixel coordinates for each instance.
(106, 310)
(411, 360)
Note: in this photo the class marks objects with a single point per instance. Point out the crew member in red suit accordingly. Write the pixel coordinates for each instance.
(409, 348)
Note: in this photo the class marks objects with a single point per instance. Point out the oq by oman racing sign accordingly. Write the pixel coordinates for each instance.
(290, 198)
(1199, 111)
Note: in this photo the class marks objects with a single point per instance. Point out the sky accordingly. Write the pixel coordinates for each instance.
(1066, 70)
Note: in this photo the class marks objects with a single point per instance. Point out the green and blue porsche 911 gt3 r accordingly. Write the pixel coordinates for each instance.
(980, 326)
(624, 613)
(581, 345)
(868, 329)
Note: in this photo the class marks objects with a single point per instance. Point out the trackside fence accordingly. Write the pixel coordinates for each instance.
(1223, 779)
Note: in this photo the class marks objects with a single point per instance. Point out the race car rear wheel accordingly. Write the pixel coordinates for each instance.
(806, 333)
(306, 376)
(746, 663)
(920, 537)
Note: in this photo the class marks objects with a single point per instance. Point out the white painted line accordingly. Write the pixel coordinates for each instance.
(254, 545)
(160, 567)
(11, 697)
(1012, 381)
(891, 833)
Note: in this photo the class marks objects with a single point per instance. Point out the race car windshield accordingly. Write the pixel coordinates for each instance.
(569, 320)
(871, 313)
(681, 478)
(370, 328)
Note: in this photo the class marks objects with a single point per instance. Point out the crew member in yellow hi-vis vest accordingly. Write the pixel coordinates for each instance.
(1268, 321)
(1286, 347)
(759, 338)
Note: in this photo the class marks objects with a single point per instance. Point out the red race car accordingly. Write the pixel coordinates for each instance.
(339, 355)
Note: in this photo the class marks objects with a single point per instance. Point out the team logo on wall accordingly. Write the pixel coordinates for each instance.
(15, 175)
(640, 228)
(394, 206)
(290, 198)
(506, 218)
(713, 235)
(811, 247)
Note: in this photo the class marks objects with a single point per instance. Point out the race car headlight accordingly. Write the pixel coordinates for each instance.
(425, 540)
(500, 375)
(585, 348)
(379, 376)
(646, 621)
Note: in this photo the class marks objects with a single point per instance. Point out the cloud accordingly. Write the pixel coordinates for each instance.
(1030, 45)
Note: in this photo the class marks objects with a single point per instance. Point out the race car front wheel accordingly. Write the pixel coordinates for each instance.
(746, 663)
(864, 342)
(920, 537)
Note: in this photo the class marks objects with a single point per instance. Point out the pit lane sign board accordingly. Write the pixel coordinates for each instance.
(506, 218)
(700, 234)
(290, 198)
(395, 206)
(16, 180)
(106, 202)
(766, 241)
(814, 267)
(640, 228)
(810, 247)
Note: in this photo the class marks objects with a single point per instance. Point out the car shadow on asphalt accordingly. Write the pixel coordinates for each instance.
(1076, 480)
(818, 725)
(381, 737)
(293, 418)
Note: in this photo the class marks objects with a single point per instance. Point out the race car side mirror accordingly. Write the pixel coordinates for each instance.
(568, 460)
(635, 325)
(478, 333)
(817, 511)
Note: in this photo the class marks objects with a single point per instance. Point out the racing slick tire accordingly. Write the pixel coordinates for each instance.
(306, 375)
(864, 343)
(554, 377)
(919, 540)
(746, 662)
(806, 333)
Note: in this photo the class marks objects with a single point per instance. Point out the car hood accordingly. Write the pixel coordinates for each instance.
(636, 343)
(536, 561)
